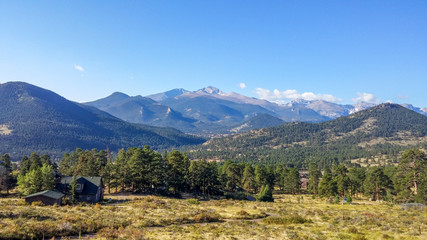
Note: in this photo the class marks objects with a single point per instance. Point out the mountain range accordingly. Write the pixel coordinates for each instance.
(386, 129)
(210, 111)
(36, 119)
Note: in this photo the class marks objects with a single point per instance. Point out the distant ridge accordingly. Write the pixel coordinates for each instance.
(212, 112)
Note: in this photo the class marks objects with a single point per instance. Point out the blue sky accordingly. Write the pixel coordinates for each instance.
(342, 51)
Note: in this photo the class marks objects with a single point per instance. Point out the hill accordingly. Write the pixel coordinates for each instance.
(35, 119)
(258, 122)
(384, 129)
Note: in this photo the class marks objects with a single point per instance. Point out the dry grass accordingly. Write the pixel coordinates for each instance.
(149, 217)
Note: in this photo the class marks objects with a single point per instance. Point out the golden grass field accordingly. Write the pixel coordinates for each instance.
(151, 217)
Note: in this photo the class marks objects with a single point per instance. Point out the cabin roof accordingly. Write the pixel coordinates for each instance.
(48, 193)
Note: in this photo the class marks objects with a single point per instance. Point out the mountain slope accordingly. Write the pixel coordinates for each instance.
(384, 129)
(143, 110)
(258, 122)
(168, 94)
(211, 104)
(35, 119)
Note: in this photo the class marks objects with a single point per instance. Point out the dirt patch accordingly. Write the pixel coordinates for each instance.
(4, 130)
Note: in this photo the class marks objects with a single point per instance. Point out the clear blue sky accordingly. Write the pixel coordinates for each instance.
(339, 50)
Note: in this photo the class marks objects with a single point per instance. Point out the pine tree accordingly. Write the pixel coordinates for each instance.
(377, 183)
(327, 185)
(314, 175)
(265, 195)
(357, 177)
(178, 174)
(341, 179)
(411, 177)
(292, 181)
(248, 178)
(6, 178)
(48, 178)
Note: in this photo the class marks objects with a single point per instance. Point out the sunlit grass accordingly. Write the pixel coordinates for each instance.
(151, 217)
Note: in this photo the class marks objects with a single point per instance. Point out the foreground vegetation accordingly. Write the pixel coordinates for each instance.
(150, 217)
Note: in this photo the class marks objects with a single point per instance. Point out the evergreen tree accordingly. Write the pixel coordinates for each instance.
(411, 177)
(265, 195)
(158, 168)
(24, 165)
(341, 179)
(108, 176)
(138, 170)
(357, 178)
(377, 183)
(233, 177)
(178, 174)
(278, 176)
(203, 176)
(248, 178)
(45, 159)
(327, 185)
(314, 175)
(35, 161)
(292, 181)
(35, 181)
(7, 180)
(121, 169)
(261, 177)
(48, 179)
(196, 175)
(68, 164)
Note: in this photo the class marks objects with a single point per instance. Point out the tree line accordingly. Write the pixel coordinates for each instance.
(171, 173)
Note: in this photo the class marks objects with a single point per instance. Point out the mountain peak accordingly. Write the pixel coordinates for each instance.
(119, 95)
(211, 90)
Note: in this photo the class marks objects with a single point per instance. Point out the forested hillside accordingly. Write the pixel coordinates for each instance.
(385, 129)
(35, 119)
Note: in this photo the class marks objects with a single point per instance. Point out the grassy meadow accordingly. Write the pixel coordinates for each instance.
(152, 217)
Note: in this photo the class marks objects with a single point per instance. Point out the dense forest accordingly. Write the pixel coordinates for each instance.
(144, 170)
(386, 129)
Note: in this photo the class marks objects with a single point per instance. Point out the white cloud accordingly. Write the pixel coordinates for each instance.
(292, 94)
(79, 68)
(366, 97)
(242, 85)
